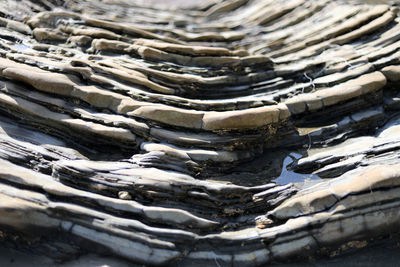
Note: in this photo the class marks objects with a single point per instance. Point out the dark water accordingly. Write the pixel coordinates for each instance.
(287, 176)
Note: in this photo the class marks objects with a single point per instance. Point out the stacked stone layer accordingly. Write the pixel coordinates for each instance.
(124, 126)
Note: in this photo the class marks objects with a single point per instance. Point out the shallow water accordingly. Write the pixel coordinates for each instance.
(301, 180)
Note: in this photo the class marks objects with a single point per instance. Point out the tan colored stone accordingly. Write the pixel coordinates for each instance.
(90, 32)
(366, 29)
(392, 73)
(170, 115)
(309, 36)
(332, 96)
(129, 29)
(267, 15)
(109, 45)
(224, 6)
(48, 34)
(338, 77)
(100, 98)
(44, 81)
(132, 76)
(67, 85)
(210, 36)
(79, 125)
(371, 82)
(184, 49)
(296, 105)
(168, 92)
(256, 60)
(80, 40)
(312, 202)
(373, 178)
(242, 119)
(167, 149)
(49, 18)
(350, 24)
(6, 63)
(362, 85)
(301, 103)
(112, 132)
(284, 112)
(318, 199)
(15, 26)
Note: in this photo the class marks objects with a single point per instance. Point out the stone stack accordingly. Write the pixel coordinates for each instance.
(130, 128)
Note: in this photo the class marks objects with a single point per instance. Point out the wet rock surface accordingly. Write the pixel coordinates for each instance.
(198, 135)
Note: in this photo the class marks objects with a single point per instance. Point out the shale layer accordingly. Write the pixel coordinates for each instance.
(153, 133)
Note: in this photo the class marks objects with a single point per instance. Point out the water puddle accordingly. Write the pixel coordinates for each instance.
(20, 47)
(272, 166)
(301, 180)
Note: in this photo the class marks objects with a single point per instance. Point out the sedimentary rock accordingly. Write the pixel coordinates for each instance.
(160, 135)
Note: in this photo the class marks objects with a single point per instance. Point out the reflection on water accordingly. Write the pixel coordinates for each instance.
(20, 47)
(271, 166)
(287, 176)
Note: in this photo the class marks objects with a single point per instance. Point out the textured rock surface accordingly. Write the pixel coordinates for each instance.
(162, 136)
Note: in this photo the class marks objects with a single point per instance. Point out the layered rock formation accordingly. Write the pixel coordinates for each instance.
(155, 134)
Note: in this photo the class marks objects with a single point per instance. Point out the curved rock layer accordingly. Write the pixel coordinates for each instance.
(150, 133)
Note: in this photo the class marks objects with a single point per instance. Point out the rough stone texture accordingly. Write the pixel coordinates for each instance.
(168, 136)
